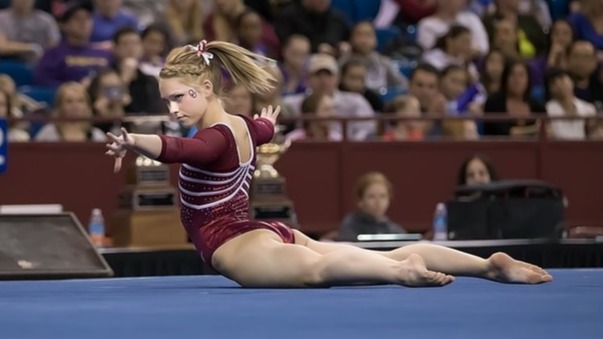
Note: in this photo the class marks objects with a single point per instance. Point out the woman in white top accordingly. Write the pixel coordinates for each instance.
(72, 102)
(563, 103)
(449, 13)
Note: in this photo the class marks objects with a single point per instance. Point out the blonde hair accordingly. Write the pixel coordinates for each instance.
(368, 179)
(243, 65)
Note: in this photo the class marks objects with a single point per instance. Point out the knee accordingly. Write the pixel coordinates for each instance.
(311, 272)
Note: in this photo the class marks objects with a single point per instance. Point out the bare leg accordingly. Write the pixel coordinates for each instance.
(260, 259)
(499, 267)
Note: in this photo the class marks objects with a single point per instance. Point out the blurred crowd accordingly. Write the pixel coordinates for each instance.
(334, 59)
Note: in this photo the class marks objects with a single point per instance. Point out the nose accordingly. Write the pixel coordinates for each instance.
(173, 107)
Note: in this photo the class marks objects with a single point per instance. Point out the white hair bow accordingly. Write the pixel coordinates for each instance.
(202, 53)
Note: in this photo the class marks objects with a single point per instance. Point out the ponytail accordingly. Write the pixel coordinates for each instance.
(207, 60)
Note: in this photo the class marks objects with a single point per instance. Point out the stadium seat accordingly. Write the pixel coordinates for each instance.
(558, 8)
(346, 7)
(388, 94)
(366, 10)
(41, 94)
(385, 36)
(21, 73)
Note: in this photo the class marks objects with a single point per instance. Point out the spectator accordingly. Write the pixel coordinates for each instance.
(15, 133)
(324, 78)
(404, 106)
(563, 103)
(72, 103)
(492, 70)
(380, 72)
(110, 16)
(109, 97)
(476, 170)
(587, 22)
(221, 25)
(143, 89)
(318, 105)
(184, 21)
(529, 31)
(353, 79)
(582, 66)
(248, 28)
(26, 32)
(294, 65)
(556, 55)
(74, 59)
(424, 85)
(450, 13)
(514, 100)
(155, 40)
(327, 29)
(373, 195)
(451, 49)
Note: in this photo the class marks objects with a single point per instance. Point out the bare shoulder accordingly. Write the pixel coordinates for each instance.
(239, 128)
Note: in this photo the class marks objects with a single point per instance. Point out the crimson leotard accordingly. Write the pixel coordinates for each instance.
(214, 184)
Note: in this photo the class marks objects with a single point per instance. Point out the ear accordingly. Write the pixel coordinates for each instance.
(207, 88)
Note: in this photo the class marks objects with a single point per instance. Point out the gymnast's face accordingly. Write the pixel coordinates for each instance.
(375, 200)
(186, 103)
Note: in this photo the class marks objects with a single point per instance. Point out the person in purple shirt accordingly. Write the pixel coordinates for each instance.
(583, 22)
(73, 59)
(109, 16)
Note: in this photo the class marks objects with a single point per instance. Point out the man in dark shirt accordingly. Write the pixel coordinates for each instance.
(582, 66)
(143, 88)
(326, 28)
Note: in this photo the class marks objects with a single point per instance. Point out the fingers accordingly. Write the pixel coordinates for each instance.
(263, 114)
(115, 138)
(276, 111)
(256, 116)
(124, 134)
(117, 165)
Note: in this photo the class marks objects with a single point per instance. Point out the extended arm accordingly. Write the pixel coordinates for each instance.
(204, 148)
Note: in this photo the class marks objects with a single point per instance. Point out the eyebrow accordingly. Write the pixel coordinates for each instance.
(172, 95)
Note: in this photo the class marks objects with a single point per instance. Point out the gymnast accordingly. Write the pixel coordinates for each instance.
(217, 166)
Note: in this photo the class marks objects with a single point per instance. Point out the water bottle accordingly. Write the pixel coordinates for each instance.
(96, 227)
(440, 223)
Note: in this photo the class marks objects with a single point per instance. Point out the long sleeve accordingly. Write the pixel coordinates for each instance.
(205, 147)
(264, 131)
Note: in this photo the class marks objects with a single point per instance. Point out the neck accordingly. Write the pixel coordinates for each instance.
(108, 14)
(566, 99)
(77, 41)
(21, 12)
(507, 12)
(446, 15)
(514, 96)
(213, 114)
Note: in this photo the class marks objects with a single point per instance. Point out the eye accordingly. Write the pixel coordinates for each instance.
(178, 97)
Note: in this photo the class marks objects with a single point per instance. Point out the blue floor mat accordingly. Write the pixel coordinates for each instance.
(213, 307)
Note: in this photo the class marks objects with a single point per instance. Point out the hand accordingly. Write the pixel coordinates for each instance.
(269, 114)
(327, 49)
(119, 147)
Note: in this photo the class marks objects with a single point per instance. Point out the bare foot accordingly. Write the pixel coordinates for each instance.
(416, 274)
(503, 268)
